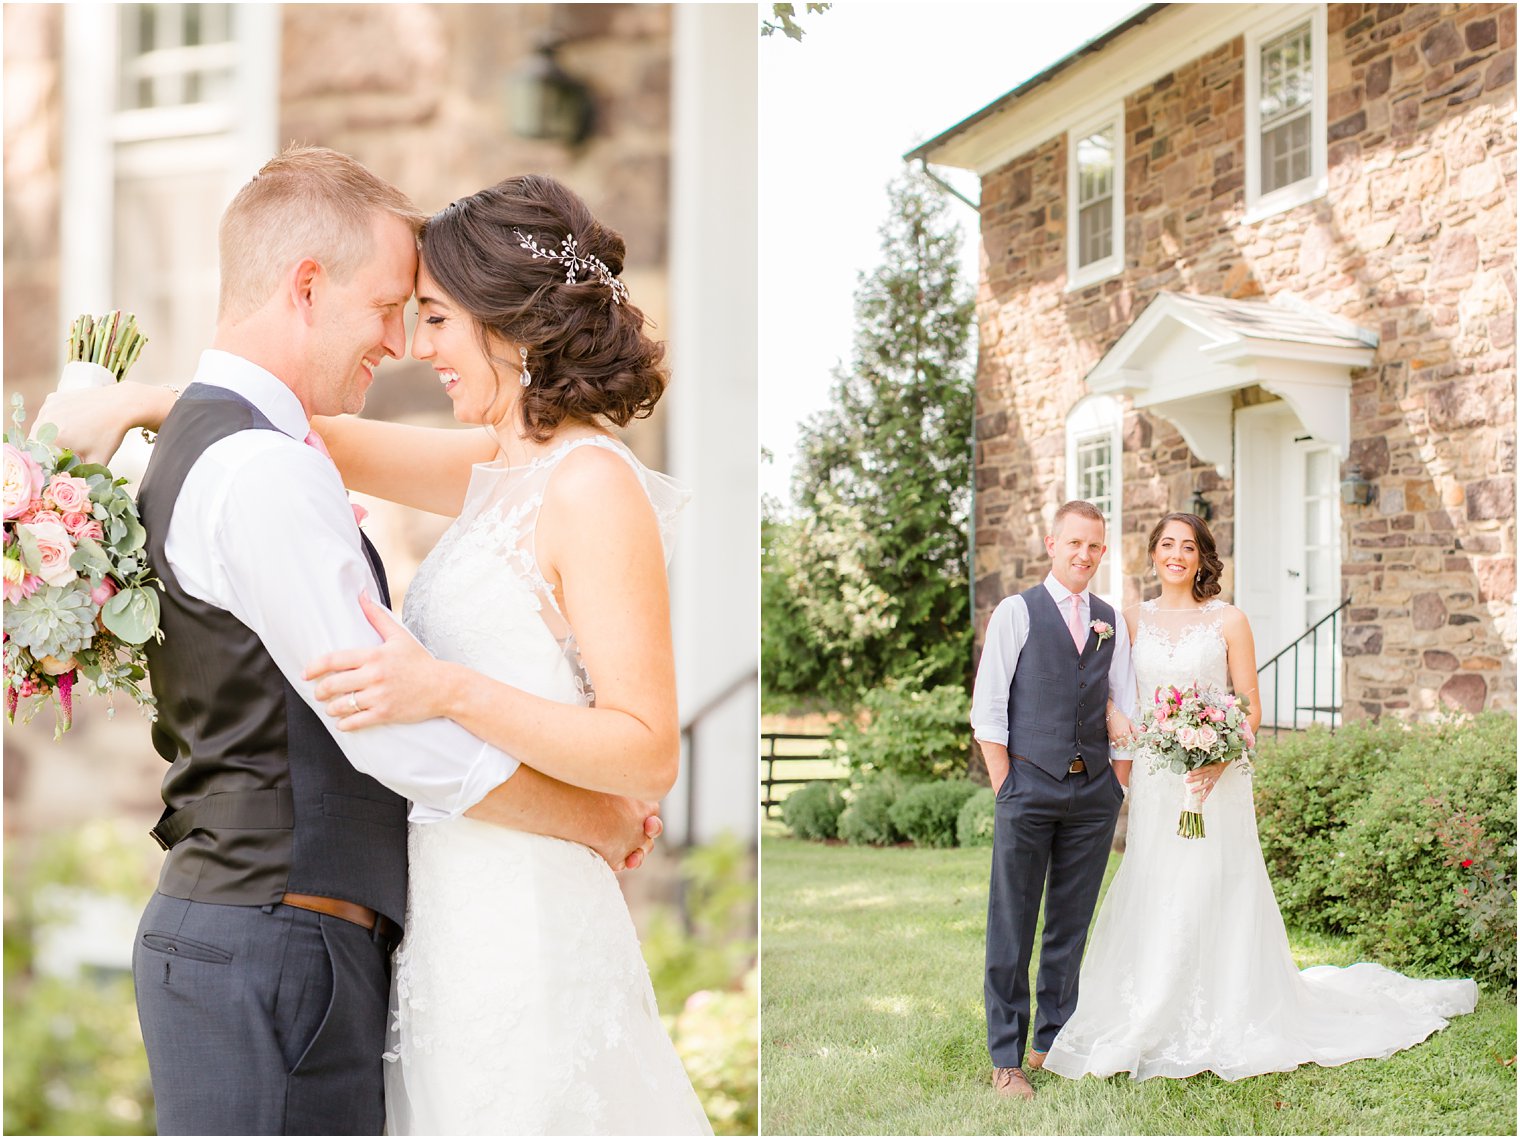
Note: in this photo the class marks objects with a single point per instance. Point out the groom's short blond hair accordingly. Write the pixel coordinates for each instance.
(1081, 508)
(307, 201)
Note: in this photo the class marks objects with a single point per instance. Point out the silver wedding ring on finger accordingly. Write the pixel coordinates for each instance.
(353, 702)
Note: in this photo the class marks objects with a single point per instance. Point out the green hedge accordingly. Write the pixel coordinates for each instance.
(868, 819)
(813, 810)
(927, 813)
(1402, 837)
(973, 827)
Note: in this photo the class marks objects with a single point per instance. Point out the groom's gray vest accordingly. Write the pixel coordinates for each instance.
(1058, 701)
(260, 800)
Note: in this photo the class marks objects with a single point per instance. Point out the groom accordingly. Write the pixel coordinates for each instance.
(262, 962)
(1053, 658)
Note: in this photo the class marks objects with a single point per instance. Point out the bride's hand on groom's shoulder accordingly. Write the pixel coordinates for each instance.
(91, 422)
(393, 682)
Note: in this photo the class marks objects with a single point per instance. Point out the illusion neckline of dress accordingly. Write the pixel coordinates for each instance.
(1213, 603)
(501, 465)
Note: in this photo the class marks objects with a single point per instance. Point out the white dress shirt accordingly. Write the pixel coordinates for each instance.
(263, 529)
(1007, 631)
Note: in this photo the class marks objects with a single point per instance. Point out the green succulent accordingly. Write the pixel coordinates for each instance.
(56, 621)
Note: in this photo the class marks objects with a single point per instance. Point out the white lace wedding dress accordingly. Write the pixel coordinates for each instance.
(1188, 968)
(522, 1005)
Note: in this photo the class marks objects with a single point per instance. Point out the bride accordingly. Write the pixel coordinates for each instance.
(541, 620)
(1188, 968)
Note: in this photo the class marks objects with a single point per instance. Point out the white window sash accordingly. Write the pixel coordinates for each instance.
(1078, 275)
(1260, 205)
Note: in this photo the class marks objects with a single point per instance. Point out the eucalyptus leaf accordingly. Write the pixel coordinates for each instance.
(47, 432)
(90, 557)
(135, 536)
(31, 557)
(132, 615)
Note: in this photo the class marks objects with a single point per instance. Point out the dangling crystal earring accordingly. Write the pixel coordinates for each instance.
(524, 376)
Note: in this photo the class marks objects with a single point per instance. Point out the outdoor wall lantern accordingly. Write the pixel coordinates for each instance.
(1355, 490)
(546, 102)
(1201, 506)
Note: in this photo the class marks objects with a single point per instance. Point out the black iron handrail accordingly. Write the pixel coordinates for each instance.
(1276, 664)
(689, 740)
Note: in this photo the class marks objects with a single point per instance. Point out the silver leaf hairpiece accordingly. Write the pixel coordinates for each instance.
(569, 255)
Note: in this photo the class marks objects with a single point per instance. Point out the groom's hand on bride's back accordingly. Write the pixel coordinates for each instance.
(635, 824)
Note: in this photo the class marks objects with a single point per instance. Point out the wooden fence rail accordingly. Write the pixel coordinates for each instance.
(809, 750)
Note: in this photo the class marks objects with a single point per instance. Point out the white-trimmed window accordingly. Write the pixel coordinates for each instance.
(1095, 200)
(1286, 110)
(168, 110)
(1095, 472)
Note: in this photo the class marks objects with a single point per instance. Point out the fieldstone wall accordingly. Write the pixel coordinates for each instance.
(1414, 239)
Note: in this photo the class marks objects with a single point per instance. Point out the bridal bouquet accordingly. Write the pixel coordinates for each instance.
(1192, 727)
(80, 602)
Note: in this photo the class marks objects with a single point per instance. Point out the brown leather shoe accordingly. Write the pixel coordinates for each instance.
(1035, 1060)
(1011, 1082)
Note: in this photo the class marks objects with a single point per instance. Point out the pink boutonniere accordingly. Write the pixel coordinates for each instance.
(1103, 629)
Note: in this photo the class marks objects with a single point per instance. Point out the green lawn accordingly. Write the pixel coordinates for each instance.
(871, 998)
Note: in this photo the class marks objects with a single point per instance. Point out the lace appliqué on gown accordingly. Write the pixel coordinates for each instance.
(1188, 967)
(521, 1003)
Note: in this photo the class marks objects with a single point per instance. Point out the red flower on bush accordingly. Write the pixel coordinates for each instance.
(1466, 862)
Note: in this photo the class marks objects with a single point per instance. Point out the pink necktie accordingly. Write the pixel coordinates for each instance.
(1074, 623)
(315, 440)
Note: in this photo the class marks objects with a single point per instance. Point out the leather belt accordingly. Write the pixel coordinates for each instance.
(1076, 766)
(363, 916)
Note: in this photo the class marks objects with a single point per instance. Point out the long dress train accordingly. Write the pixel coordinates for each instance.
(1188, 968)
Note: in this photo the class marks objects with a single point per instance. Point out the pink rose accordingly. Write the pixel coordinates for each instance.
(1247, 733)
(1216, 715)
(75, 521)
(93, 530)
(1187, 736)
(54, 548)
(23, 481)
(1207, 738)
(44, 516)
(104, 591)
(69, 493)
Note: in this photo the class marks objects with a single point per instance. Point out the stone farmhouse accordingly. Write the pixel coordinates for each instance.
(1257, 261)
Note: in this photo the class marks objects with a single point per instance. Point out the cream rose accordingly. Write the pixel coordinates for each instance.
(23, 481)
(54, 549)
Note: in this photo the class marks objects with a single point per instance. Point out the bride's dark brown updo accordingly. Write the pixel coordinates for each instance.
(1210, 567)
(588, 355)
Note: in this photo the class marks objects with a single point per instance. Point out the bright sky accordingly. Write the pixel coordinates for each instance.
(869, 82)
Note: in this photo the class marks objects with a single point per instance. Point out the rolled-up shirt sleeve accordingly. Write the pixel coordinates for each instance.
(1121, 672)
(1007, 630)
(286, 561)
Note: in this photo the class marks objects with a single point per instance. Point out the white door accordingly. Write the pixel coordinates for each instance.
(1287, 561)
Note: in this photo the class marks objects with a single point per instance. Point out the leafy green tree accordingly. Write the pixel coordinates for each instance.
(867, 578)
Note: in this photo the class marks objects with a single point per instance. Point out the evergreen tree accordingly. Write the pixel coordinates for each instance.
(868, 579)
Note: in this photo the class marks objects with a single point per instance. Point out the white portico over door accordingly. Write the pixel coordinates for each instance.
(1184, 358)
